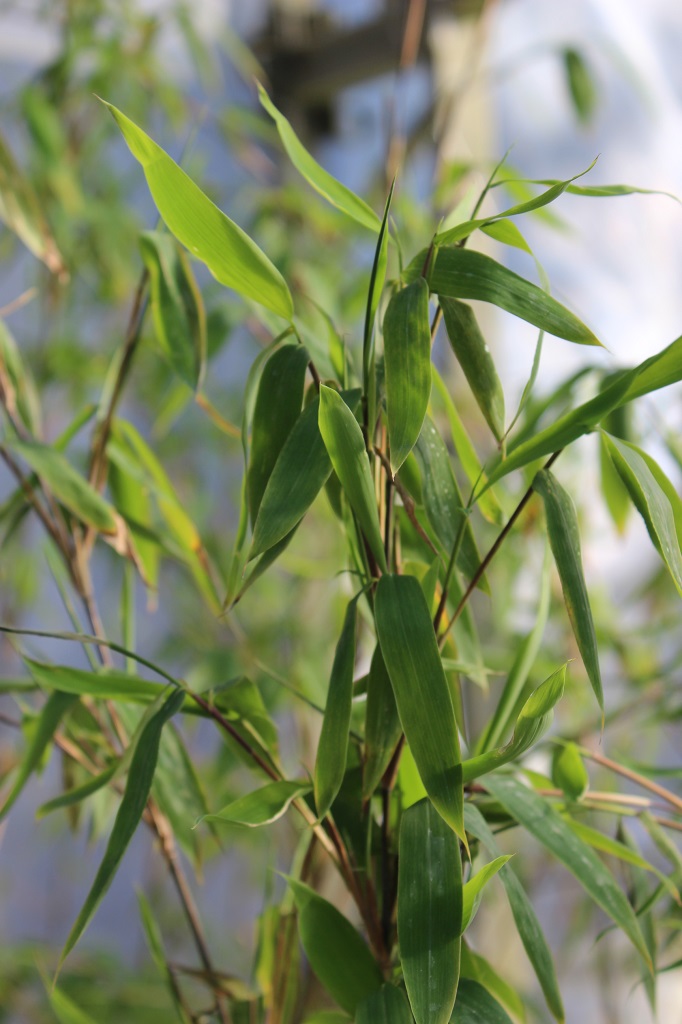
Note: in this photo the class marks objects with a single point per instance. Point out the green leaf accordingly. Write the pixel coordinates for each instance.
(473, 355)
(177, 306)
(336, 952)
(66, 484)
(78, 793)
(581, 84)
(50, 716)
(475, 1005)
(263, 807)
(564, 539)
(568, 771)
(332, 750)
(464, 274)
(473, 889)
(155, 945)
(64, 1009)
(655, 502)
(614, 848)
(407, 362)
(228, 252)
(323, 182)
(537, 816)
(387, 1006)
(278, 406)
(107, 684)
(506, 231)
(534, 720)
(138, 785)
(382, 725)
(477, 968)
(408, 644)
(345, 445)
(613, 489)
(429, 912)
(376, 284)
(18, 383)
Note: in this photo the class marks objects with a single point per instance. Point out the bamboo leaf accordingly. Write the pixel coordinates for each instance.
(155, 945)
(278, 406)
(336, 952)
(475, 1005)
(613, 489)
(177, 306)
(408, 644)
(564, 539)
(429, 912)
(345, 445)
(64, 1008)
(332, 750)
(537, 816)
(138, 785)
(527, 924)
(78, 793)
(263, 807)
(323, 182)
(655, 502)
(614, 848)
(376, 284)
(228, 252)
(107, 684)
(407, 362)
(580, 84)
(382, 727)
(387, 1006)
(473, 355)
(473, 889)
(464, 274)
(477, 968)
(18, 383)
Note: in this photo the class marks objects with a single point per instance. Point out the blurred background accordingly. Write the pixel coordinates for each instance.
(441, 89)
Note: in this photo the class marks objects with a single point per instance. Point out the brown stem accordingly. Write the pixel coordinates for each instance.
(633, 776)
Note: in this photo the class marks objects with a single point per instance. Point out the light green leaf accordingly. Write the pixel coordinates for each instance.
(475, 1005)
(429, 912)
(568, 771)
(506, 231)
(332, 750)
(228, 252)
(537, 816)
(473, 889)
(336, 952)
(382, 725)
(138, 785)
(78, 793)
(474, 357)
(177, 306)
(107, 684)
(564, 539)
(408, 644)
(613, 489)
(464, 274)
(653, 500)
(263, 807)
(345, 445)
(407, 362)
(580, 84)
(323, 182)
(65, 1010)
(387, 1006)
(67, 485)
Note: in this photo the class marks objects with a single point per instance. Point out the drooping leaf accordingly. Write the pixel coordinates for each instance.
(475, 1005)
(262, 807)
(278, 406)
(323, 182)
(473, 889)
(345, 446)
(138, 785)
(107, 684)
(537, 816)
(408, 644)
(429, 912)
(527, 924)
(335, 950)
(568, 771)
(332, 750)
(580, 84)
(473, 355)
(154, 939)
(382, 725)
(655, 504)
(67, 485)
(564, 539)
(233, 258)
(177, 306)
(407, 363)
(387, 1006)
(376, 284)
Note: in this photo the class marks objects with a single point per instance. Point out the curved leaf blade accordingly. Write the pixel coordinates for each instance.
(407, 362)
(475, 1005)
(382, 724)
(473, 355)
(263, 807)
(473, 889)
(387, 1006)
(332, 750)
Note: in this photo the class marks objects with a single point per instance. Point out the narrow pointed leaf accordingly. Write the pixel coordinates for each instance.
(233, 258)
(387, 1006)
(564, 539)
(323, 182)
(107, 684)
(473, 355)
(429, 912)
(475, 1005)
(407, 362)
(78, 793)
(614, 848)
(154, 939)
(408, 644)
(335, 950)
(262, 807)
(332, 750)
(138, 785)
(464, 274)
(64, 1008)
(614, 491)
(278, 406)
(473, 889)
(527, 924)
(382, 726)
(376, 284)
(537, 816)
(580, 84)
(345, 445)
(477, 968)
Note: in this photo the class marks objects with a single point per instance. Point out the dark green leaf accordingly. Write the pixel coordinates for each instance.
(332, 750)
(474, 357)
(475, 1005)
(564, 539)
(387, 1006)
(228, 252)
(429, 912)
(382, 727)
(477, 968)
(407, 362)
(408, 644)
(376, 284)
(262, 807)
